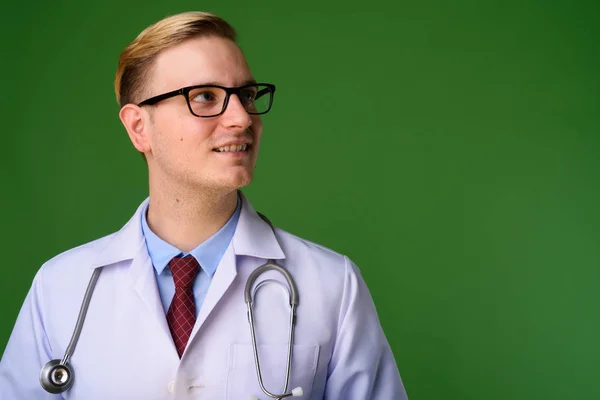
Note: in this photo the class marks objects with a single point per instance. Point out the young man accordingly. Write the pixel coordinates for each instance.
(167, 317)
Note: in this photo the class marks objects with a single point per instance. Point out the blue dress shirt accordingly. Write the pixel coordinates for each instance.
(208, 254)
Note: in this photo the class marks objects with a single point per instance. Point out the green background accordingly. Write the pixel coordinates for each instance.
(448, 148)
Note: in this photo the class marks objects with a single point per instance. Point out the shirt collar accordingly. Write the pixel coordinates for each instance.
(208, 254)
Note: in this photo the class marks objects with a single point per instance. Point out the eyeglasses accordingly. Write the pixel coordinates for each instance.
(211, 100)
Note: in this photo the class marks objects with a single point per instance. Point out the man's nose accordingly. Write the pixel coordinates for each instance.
(235, 114)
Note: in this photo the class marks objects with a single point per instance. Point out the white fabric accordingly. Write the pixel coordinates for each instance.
(126, 350)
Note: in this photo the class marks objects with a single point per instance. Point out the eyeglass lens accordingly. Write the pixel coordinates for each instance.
(208, 101)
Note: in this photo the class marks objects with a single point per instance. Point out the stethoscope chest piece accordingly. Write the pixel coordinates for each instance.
(56, 377)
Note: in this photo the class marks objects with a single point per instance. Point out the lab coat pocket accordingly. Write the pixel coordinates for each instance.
(242, 380)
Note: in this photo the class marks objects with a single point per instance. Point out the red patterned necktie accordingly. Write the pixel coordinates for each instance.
(182, 311)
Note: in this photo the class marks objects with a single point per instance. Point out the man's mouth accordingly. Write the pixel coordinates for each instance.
(232, 148)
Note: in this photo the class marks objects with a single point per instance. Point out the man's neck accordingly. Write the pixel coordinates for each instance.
(188, 218)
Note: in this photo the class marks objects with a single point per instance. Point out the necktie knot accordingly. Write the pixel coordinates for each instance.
(184, 271)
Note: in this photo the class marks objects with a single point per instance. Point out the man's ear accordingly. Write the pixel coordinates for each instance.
(132, 118)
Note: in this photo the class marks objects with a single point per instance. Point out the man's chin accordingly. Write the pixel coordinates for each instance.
(243, 182)
(235, 181)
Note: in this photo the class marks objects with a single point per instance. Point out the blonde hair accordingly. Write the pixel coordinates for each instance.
(137, 59)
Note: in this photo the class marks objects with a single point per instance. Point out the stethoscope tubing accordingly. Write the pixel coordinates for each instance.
(293, 300)
(81, 317)
(47, 374)
(56, 370)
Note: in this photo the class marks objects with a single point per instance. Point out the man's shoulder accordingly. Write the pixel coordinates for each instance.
(296, 246)
(79, 255)
(113, 247)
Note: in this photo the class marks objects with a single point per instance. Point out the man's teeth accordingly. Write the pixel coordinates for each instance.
(233, 147)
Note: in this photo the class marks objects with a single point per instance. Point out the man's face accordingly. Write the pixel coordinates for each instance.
(188, 149)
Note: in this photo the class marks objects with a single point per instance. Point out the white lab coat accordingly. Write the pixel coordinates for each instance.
(126, 351)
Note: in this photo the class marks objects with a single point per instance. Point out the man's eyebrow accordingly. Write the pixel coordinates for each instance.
(214, 83)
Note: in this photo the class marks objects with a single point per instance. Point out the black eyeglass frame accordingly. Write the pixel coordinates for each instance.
(228, 90)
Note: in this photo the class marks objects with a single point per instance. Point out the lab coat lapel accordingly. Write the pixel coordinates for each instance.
(252, 237)
(129, 244)
(222, 279)
(141, 274)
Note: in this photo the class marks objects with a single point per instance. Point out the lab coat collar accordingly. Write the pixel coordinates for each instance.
(124, 244)
(253, 237)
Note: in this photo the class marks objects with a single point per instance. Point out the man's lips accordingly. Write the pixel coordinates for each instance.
(234, 145)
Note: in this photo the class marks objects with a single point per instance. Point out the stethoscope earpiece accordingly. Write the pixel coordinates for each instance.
(56, 377)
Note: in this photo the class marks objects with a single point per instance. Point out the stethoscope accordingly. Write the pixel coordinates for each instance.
(57, 376)
(271, 265)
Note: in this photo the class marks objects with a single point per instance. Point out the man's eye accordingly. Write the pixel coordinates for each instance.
(248, 96)
(203, 96)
